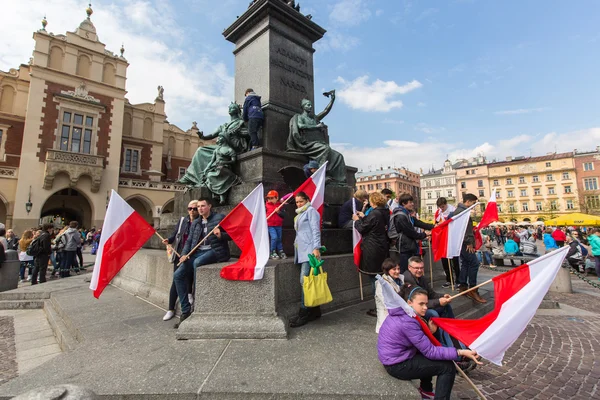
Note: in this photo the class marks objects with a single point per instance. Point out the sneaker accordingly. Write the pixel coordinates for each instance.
(426, 395)
(170, 314)
(29, 278)
(282, 255)
(274, 256)
(191, 298)
(446, 285)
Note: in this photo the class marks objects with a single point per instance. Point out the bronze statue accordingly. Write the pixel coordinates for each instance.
(237, 139)
(218, 175)
(308, 136)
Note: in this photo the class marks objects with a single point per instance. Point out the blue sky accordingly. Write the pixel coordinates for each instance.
(416, 80)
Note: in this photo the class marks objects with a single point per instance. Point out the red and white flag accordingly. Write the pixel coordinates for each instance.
(517, 296)
(356, 238)
(124, 232)
(447, 237)
(246, 224)
(489, 215)
(314, 187)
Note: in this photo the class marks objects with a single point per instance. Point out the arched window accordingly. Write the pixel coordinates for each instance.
(187, 149)
(84, 65)
(127, 124)
(56, 58)
(172, 145)
(108, 74)
(7, 99)
(148, 128)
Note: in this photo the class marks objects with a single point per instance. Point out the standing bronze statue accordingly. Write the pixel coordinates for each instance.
(308, 136)
(236, 138)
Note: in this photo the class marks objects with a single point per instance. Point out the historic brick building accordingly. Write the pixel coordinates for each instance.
(587, 167)
(398, 180)
(68, 136)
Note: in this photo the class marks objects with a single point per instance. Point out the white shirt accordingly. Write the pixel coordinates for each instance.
(441, 216)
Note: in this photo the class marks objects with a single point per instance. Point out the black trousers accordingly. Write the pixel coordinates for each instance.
(446, 262)
(420, 367)
(40, 266)
(254, 125)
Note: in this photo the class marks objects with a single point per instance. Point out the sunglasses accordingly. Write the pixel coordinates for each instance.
(192, 208)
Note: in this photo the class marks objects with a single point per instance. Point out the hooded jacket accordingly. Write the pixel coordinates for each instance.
(407, 235)
(72, 239)
(252, 107)
(401, 336)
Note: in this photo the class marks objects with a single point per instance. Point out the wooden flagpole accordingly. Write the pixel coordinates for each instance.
(462, 373)
(470, 290)
(430, 262)
(168, 245)
(451, 270)
(361, 288)
(202, 241)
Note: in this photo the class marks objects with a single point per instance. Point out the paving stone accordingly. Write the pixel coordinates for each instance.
(8, 351)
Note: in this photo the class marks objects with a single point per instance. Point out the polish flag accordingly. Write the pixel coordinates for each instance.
(124, 232)
(314, 187)
(517, 295)
(490, 215)
(356, 239)
(447, 237)
(392, 300)
(246, 224)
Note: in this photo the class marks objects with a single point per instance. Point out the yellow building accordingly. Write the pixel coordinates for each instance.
(472, 177)
(68, 136)
(534, 188)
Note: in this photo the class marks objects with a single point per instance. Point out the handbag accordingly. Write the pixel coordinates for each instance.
(171, 256)
(316, 290)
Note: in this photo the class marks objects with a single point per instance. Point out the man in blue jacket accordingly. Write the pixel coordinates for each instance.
(213, 249)
(253, 115)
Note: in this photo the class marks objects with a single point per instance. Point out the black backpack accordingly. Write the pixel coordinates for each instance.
(34, 248)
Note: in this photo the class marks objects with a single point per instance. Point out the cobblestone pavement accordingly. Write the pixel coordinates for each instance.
(8, 351)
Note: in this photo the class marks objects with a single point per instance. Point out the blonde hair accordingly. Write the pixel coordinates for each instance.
(378, 199)
(361, 195)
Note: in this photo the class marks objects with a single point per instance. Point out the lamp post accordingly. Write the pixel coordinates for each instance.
(29, 204)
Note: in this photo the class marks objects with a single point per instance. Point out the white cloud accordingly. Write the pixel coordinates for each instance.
(393, 121)
(473, 85)
(520, 111)
(421, 104)
(426, 14)
(196, 87)
(336, 41)
(415, 155)
(379, 13)
(350, 12)
(428, 129)
(378, 96)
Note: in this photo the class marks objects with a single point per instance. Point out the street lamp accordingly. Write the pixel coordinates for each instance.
(29, 204)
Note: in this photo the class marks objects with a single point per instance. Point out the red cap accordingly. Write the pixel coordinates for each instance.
(273, 193)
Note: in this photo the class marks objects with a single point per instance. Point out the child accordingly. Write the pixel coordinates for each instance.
(253, 115)
(275, 224)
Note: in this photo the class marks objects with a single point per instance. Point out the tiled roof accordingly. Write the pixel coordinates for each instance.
(520, 160)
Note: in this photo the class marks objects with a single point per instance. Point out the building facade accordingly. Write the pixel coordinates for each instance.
(68, 136)
(587, 167)
(436, 184)
(472, 177)
(398, 180)
(535, 188)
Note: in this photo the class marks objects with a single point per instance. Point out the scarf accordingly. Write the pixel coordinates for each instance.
(300, 211)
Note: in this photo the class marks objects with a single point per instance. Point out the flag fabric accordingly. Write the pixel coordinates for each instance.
(246, 224)
(517, 295)
(124, 232)
(447, 237)
(393, 300)
(489, 215)
(314, 187)
(356, 239)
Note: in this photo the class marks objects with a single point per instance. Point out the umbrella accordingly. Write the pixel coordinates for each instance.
(509, 223)
(523, 223)
(539, 223)
(576, 219)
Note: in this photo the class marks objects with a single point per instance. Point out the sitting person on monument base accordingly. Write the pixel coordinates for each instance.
(238, 139)
(438, 304)
(214, 249)
(308, 136)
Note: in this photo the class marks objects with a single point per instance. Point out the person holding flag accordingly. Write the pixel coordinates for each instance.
(407, 348)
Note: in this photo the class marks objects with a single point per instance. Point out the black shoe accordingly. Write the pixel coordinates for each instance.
(182, 318)
(372, 313)
(314, 313)
(446, 285)
(302, 318)
(467, 366)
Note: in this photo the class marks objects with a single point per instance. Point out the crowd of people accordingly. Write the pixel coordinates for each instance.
(47, 246)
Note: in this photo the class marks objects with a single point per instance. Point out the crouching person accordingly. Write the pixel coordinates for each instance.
(214, 249)
(407, 353)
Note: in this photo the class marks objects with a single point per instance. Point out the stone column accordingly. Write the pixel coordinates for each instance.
(274, 56)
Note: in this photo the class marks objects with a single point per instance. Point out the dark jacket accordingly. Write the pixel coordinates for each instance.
(13, 243)
(469, 235)
(432, 295)
(252, 107)
(183, 233)
(407, 235)
(41, 259)
(346, 211)
(375, 243)
(219, 246)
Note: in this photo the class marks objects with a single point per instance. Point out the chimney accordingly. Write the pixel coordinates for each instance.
(509, 158)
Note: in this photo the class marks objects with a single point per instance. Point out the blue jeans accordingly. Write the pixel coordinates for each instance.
(187, 271)
(484, 257)
(69, 259)
(275, 233)
(24, 265)
(441, 335)
(304, 271)
(469, 267)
